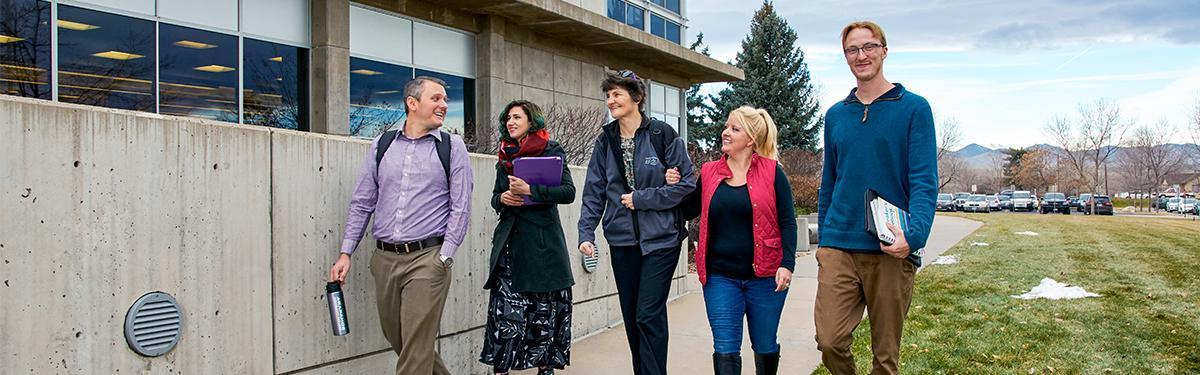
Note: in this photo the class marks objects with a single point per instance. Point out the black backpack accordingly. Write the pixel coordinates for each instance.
(661, 135)
(443, 149)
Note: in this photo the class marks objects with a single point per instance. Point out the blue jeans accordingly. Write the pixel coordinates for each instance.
(728, 300)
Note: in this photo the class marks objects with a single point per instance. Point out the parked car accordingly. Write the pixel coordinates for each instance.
(1023, 200)
(1084, 201)
(993, 203)
(1055, 202)
(1103, 205)
(1005, 201)
(960, 200)
(945, 202)
(1073, 202)
(1188, 205)
(1173, 204)
(1196, 209)
(976, 203)
(1161, 202)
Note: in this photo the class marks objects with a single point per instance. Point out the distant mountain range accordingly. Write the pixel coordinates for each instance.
(981, 157)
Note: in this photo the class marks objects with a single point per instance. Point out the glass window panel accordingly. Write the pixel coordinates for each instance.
(380, 36)
(376, 96)
(671, 96)
(197, 73)
(673, 33)
(635, 17)
(105, 59)
(289, 20)
(210, 13)
(443, 49)
(275, 84)
(25, 48)
(673, 5)
(616, 10)
(657, 25)
(657, 102)
(460, 94)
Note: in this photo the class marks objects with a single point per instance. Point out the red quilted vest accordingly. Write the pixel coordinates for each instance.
(760, 182)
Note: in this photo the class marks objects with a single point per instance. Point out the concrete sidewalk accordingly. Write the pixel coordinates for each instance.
(690, 350)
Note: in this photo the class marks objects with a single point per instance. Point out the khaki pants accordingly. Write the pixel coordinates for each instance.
(410, 291)
(848, 282)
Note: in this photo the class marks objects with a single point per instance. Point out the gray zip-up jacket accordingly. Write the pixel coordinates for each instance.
(658, 224)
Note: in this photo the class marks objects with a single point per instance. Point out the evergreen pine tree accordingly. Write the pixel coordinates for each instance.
(777, 79)
(702, 132)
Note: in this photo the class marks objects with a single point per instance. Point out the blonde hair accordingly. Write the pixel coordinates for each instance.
(761, 128)
(870, 26)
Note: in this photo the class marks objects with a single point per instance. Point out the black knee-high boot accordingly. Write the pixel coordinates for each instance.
(766, 364)
(727, 364)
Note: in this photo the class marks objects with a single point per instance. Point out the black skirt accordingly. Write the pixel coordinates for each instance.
(525, 330)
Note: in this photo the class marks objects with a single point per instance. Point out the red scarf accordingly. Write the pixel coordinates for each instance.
(534, 144)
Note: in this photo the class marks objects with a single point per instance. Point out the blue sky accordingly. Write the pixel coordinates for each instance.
(1001, 69)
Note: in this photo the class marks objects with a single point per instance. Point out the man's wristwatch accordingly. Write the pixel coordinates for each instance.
(446, 261)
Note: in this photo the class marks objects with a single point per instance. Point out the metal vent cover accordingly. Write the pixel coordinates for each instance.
(152, 325)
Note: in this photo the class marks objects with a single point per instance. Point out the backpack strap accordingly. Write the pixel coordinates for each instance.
(661, 135)
(381, 148)
(443, 149)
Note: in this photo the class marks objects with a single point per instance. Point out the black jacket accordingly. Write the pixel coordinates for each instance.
(539, 249)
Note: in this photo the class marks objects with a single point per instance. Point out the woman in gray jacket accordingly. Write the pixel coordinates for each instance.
(626, 190)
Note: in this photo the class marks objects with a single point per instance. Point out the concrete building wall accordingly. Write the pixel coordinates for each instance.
(239, 223)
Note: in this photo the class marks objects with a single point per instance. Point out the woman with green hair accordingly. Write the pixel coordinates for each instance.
(529, 307)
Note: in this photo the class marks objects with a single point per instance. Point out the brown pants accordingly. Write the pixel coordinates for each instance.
(410, 291)
(848, 282)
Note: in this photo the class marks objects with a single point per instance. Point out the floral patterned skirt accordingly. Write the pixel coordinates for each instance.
(526, 330)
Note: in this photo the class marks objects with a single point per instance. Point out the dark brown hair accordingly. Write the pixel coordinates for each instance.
(629, 81)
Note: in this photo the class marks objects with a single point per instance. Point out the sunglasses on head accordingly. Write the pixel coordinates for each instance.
(628, 74)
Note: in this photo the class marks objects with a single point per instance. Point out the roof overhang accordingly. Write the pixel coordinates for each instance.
(579, 26)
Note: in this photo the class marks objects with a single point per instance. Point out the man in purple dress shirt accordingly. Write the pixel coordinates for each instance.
(421, 221)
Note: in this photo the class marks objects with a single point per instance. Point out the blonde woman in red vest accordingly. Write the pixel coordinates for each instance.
(747, 247)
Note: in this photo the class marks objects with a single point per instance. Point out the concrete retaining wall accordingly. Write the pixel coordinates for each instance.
(240, 224)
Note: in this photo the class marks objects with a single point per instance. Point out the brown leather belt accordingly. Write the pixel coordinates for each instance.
(409, 247)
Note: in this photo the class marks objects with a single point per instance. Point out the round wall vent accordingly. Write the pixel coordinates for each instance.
(152, 324)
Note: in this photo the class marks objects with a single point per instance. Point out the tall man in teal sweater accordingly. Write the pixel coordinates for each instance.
(880, 137)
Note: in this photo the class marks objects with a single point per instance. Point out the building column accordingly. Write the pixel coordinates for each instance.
(330, 72)
(489, 83)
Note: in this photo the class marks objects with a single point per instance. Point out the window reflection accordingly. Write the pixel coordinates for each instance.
(198, 73)
(25, 48)
(105, 59)
(376, 96)
(276, 84)
(635, 17)
(460, 97)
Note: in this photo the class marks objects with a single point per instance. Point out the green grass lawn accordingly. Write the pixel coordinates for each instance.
(1147, 320)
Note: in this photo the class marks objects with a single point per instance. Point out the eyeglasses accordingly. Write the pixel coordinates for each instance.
(628, 74)
(869, 48)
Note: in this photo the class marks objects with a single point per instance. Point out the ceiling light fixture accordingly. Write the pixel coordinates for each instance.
(118, 55)
(194, 45)
(214, 68)
(77, 26)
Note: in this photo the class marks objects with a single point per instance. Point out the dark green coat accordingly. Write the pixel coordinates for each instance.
(539, 249)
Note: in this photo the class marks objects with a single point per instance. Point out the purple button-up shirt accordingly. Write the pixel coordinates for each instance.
(410, 195)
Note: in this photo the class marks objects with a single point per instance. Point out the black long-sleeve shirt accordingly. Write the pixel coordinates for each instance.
(731, 229)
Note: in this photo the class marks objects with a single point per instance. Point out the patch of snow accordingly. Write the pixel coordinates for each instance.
(979, 244)
(946, 259)
(1027, 233)
(1050, 289)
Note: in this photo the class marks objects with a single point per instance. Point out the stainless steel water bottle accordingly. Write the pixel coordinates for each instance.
(337, 309)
